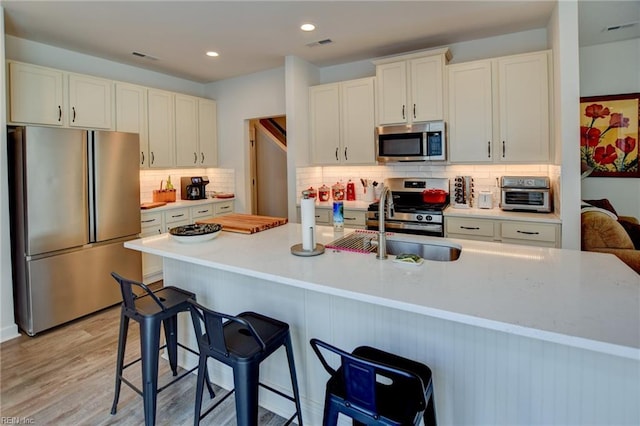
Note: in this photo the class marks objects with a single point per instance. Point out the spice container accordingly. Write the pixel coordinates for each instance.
(351, 191)
(337, 191)
(323, 193)
(310, 193)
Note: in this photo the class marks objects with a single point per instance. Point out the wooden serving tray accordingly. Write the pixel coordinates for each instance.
(245, 223)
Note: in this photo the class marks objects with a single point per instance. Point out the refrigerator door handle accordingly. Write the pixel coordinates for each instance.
(91, 185)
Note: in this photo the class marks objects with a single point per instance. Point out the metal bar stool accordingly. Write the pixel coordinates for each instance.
(241, 342)
(151, 310)
(374, 387)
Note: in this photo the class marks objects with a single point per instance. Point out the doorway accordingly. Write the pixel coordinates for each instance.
(268, 166)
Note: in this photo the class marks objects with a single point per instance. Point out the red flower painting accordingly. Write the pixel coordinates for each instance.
(609, 135)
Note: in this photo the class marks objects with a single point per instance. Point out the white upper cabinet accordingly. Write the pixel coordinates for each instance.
(161, 121)
(470, 115)
(411, 87)
(196, 132)
(90, 104)
(208, 132)
(523, 84)
(499, 110)
(36, 95)
(187, 152)
(39, 95)
(131, 115)
(342, 120)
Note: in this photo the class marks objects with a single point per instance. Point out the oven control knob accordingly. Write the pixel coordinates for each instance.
(419, 217)
(429, 218)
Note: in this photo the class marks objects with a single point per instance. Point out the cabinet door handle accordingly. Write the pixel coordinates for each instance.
(225, 207)
(472, 228)
(153, 158)
(202, 155)
(177, 215)
(488, 149)
(503, 149)
(349, 218)
(59, 113)
(414, 110)
(142, 154)
(203, 211)
(337, 155)
(345, 153)
(74, 114)
(528, 232)
(148, 221)
(403, 117)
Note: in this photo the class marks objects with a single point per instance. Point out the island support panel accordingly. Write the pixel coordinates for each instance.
(480, 376)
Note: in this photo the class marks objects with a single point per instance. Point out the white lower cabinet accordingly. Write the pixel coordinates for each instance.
(352, 218)
(505, 231)
(223, 208)
(159, 222)
(151, 265)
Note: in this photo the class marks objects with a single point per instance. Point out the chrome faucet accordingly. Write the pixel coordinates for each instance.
(386, 200)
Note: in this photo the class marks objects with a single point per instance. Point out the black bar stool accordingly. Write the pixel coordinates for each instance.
(151, 310)
(241, 342)
(374, 387)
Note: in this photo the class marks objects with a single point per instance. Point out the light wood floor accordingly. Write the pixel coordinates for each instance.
(66, 377)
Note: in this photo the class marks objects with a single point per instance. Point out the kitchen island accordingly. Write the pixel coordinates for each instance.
(513, 334)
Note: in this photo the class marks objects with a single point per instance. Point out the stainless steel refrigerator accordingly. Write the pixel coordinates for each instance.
(74, 201)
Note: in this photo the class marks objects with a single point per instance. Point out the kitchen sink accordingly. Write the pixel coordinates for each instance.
(439, 252)
(366, 242)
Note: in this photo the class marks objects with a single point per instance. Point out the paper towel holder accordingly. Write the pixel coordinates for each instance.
(298, 249)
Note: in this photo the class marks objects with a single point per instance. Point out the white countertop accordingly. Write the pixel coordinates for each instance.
(178, 204)
(497, 213)
(582, 299)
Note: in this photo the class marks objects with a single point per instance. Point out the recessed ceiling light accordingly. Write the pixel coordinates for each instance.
(307, 27)
(212, 54)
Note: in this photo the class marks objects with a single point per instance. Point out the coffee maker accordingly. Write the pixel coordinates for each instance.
(193, 187)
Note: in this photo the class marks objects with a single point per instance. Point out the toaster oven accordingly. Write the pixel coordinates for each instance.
(526, 193)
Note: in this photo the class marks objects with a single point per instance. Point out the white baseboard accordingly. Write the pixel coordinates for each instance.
(9, 332)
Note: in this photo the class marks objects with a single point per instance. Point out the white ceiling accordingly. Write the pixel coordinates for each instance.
(252, 36)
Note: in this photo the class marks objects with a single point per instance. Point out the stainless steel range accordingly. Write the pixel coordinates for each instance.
(414, 210)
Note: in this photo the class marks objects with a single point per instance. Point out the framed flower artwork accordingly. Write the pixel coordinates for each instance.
(609, 135)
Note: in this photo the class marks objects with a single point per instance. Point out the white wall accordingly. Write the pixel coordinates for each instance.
(240, 100)
(8, 327)
(609, 69)
(563, 39)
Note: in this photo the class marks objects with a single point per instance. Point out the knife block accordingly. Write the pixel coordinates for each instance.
(166, 195)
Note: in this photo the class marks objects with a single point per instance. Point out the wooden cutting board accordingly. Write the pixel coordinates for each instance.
(145, 206)
(245, 223)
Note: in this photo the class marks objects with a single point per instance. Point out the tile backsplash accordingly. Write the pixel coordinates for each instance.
(486, 177)
(220, 180)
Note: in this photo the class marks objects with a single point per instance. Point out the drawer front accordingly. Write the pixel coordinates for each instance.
(323, 216)
(528, 231)
(149, 231)
(465, 226)
(176, 224)
(354, 218)
(177, 215)
(150, 220)
(223, 208)
(202, 211)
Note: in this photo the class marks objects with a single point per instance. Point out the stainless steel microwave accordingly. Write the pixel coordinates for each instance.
(417, 142)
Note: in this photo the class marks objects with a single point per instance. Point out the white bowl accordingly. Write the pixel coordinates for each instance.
(195, 233)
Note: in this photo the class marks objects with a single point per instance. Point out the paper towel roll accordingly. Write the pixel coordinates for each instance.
(308, 219)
